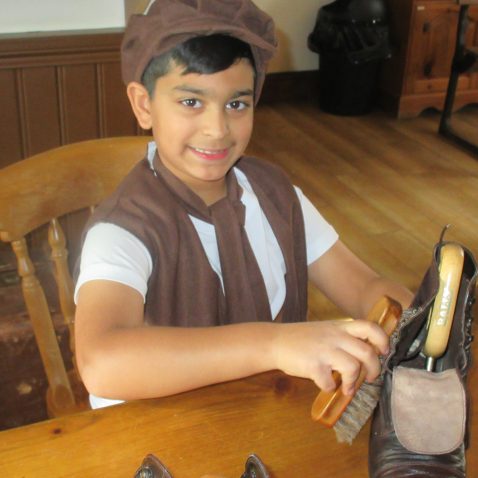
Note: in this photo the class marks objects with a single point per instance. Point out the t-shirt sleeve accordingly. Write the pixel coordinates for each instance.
(112, 253)
(320, 236)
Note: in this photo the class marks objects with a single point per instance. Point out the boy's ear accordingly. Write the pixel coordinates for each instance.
(140, 103)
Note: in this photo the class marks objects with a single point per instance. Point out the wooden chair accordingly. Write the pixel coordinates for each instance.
(465, 60)
(38, 191)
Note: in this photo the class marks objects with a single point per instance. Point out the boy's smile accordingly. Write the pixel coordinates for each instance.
(202, 124)
(211, 154)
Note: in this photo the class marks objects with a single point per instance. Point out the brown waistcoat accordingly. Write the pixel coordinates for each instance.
(183, 289)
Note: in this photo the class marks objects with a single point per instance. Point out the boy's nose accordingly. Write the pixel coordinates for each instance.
(216, 123)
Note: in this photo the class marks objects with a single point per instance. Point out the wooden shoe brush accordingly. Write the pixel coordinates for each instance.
(348, 413)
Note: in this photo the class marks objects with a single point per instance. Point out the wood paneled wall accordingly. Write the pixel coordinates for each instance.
(61, 87)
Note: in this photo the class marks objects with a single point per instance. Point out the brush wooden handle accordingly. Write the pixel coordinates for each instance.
(452, 258)
(329, 406)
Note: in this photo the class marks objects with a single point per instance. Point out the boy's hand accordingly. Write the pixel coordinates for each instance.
(314, 349)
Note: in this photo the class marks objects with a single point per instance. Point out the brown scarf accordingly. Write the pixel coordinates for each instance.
(243, 282)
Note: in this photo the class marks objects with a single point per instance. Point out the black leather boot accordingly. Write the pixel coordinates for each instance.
(419, 428)
(151, 467)
(255, 468)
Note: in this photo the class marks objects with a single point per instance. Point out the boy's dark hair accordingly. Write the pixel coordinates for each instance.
(203, 54)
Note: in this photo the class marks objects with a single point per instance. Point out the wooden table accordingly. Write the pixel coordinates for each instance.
(211, 430)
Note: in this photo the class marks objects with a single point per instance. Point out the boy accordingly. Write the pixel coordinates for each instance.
(195, 271)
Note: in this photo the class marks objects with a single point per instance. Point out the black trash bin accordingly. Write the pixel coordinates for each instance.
(352, 38)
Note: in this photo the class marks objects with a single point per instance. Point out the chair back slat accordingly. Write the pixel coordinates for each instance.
(59, 255)
(42, 325)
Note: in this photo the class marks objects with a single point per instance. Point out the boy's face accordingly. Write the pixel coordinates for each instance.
(202, 123)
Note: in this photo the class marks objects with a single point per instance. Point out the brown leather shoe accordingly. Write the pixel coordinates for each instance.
(255, 468)
(419, 428)
(152, 468)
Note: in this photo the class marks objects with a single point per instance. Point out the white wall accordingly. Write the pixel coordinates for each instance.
(47, 15)
(294, 20)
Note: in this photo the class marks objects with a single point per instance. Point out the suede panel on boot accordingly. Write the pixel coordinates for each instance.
(428, 410)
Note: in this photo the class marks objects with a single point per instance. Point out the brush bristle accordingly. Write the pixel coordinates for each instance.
(358, 412)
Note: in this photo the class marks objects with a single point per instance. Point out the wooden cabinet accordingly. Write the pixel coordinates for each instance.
(423, 35)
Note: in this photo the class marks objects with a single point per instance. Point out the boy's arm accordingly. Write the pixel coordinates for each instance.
(119, 357)
(352, 285)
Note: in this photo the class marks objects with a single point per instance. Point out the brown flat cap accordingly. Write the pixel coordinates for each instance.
(171, 22)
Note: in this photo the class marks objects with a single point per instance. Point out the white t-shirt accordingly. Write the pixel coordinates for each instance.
(112, 253)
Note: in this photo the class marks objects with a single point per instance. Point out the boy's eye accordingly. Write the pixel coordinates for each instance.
(191, 103)
(237, 105)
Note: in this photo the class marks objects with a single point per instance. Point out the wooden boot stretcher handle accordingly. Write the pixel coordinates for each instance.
(452, 258)
(329, 406)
